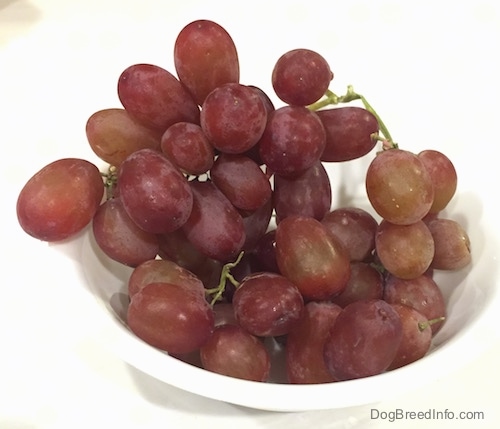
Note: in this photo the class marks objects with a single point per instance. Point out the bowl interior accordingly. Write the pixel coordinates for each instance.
(470, 295)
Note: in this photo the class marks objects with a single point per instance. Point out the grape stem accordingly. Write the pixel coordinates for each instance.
(333, 99)
(225, 275)
(424, 325)
(110, 179)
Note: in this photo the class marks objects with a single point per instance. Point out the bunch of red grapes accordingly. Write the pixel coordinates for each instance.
(221, 205)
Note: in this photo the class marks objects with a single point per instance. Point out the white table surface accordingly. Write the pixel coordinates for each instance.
(59, 61)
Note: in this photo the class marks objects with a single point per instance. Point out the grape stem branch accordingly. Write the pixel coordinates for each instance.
(225, 275)
(333, 99)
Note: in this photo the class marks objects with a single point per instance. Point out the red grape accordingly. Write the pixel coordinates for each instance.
(308, 194)
(406, 251)
(305, 362)
(301, 77)
(234, 352)
(113, 135)
(311, 257)
(154, 192)
(120, 238)
(293, 140)
(242, 181)
(60, 200)
(214, 226)
(163, 271)
(421, 293)
(355, 228)
(452, 245)
(363, 340)
(349, 133)
(170, 317)
(205, 58)
(233, 117)
(267, 304)
(155, 97)
(443, 175)
(186, 145)
(399, 186)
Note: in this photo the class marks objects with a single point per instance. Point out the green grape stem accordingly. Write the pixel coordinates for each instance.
(225, 275)
(424, 325)
(333, 99)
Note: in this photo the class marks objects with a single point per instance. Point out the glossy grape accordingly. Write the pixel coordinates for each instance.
(60, 199)
(421, 293)
(305, 363)
(308, 194)
(349, 133)
(267, 304)
(355, 228)
(309, 256)
(301, 77)
(416, 339)
(120, 238)
(256, 224)
(242, 181)
(293, 140)
(154, 192)
(205, 58)
(214, 226)
(406, 251)
(170, 317)
(452, 245)
(233, 117)
(365, 282)
(163, 271)
(443, 175)
(363, 340)
(399, 186)
(113, 135)
(186, 145)
(155, 97)
(234, 352)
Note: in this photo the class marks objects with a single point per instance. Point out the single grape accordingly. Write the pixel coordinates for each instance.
(214, 226)
(242, 181)
(60, 199)
(421, 293)
(305, 363)
(186, 145)
(170, 317)
(406, 251)
(120, 238)
(452, 245)
(205, 58)
(293, 140)
(163, 271)
(416, 339)
(301, 77)
(233, 117)
(154, 192)
(234, 352)
(113, 135)
(363, 340)
(399, 186)
(443, 175)
(267, 304)
(355, 228)
(308, 194)
(350, 133)
(312, 258)
(365, 282)
(155, 97)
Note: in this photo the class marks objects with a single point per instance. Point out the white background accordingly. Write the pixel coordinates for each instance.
(431, 68)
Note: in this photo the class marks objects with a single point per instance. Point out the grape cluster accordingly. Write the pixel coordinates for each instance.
(221, 204)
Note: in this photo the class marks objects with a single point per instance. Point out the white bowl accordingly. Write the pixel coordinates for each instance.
(470, 294)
